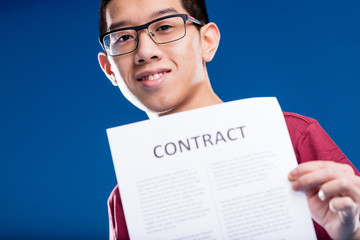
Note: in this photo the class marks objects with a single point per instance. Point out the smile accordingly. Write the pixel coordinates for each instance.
(152, 76)
(152, 80)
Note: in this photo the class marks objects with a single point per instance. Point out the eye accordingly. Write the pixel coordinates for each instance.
(124, 38)
(164, 28)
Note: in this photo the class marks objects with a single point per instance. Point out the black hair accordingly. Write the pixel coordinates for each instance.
(195, 8)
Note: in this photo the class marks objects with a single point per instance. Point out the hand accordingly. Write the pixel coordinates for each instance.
(333, 194)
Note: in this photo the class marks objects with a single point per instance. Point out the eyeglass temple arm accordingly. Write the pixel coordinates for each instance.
(101, 43)
(194, 20)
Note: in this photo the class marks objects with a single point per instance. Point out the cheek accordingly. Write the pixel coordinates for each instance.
(195, 58)
(123, 75)
(122, 69)
(188, 54)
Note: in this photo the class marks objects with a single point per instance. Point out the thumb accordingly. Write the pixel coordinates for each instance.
(347, 211)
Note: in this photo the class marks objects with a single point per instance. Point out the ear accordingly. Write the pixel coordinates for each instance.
(106, 67)
(210, 38)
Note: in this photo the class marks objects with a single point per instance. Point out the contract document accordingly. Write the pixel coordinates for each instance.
(218, 172)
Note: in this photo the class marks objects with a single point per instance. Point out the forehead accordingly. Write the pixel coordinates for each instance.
(120, 13)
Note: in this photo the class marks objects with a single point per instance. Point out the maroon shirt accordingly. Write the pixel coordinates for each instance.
(310, 142)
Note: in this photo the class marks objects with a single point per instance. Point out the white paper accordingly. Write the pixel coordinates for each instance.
(218, 172)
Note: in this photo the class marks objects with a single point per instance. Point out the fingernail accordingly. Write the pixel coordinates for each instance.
(293, 174)
(332, 207)
(321, 195)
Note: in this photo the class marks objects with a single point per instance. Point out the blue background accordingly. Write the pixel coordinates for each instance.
(56, 170)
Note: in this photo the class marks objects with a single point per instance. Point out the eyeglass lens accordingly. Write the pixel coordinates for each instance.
(162, 31)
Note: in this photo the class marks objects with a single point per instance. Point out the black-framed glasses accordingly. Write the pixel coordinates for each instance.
(162, 30)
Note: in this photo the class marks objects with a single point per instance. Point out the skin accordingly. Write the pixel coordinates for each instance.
(333, 194)
(185, 84)
(332, 189)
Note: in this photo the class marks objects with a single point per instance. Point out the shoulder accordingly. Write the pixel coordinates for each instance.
(303, 128)
(299, 126)
(310, 141)
(298, 118)
(114, 196)
(113, 202)
(115, 206)
(307, 136)
(117, 224)
(298, 122)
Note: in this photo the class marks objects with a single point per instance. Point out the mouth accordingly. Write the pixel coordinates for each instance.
(152, 76)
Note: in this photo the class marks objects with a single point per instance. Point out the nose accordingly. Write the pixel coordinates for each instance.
(147, 50)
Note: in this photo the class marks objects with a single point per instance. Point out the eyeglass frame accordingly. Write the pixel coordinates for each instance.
(185, 18)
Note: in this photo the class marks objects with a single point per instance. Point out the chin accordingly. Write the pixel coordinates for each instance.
(153, 107)
(160, 111)
(151, 110)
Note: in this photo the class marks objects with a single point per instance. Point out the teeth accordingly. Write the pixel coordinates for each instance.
(152, 77)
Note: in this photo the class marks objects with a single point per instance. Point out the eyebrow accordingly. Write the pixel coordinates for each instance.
(152, 16)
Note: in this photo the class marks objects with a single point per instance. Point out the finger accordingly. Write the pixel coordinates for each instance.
(304, 168)
(343, 204)
(341, 186)
(313, 179)
(347, 211)
(346, 208)
(311, 166)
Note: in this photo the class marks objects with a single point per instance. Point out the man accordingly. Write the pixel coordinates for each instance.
(156, 53)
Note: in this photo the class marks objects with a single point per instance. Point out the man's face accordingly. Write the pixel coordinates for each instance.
(157, 78)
